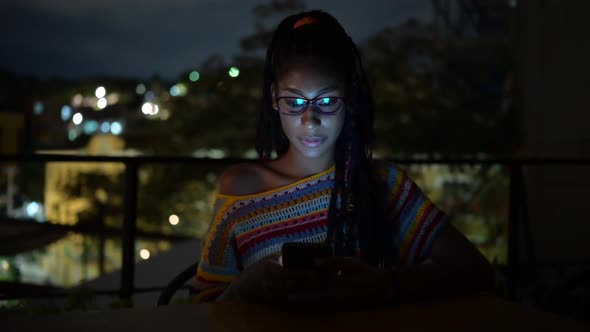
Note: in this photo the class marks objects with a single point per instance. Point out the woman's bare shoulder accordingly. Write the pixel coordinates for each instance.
(241, 179)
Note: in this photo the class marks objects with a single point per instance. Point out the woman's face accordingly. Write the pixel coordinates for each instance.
(311, 135)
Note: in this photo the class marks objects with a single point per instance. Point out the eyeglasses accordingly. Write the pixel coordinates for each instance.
(298, 105)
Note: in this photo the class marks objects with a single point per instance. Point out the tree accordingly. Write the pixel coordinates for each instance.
(441, 96)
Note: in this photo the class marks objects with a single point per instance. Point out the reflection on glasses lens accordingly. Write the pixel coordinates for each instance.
(294, 105)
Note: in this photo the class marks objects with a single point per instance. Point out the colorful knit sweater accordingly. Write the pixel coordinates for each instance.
(248, 228)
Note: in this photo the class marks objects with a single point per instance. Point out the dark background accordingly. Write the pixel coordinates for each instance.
(501, 80)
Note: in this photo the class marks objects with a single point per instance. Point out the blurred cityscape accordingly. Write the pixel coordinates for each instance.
(443, 89)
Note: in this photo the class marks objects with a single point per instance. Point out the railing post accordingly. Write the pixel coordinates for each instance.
(129, 229)
(518, 217)
(513, 236)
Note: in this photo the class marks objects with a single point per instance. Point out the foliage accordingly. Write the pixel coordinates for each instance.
(442, 96)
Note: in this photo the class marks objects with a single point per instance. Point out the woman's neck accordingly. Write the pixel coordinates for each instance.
(300, 166)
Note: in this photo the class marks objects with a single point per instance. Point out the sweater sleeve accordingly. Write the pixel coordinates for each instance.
(218, 264)
(415, 220)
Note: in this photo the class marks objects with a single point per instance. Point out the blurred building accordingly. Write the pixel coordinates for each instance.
(65, 207)
(12, 126)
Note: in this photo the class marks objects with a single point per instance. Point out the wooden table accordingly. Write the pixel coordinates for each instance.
(474, 313)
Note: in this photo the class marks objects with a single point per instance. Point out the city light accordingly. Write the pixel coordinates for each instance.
(66, 112)
(105, 127)
(149, 95)
(38, 108)
(140, 89)
(216, 154)
(164, 114)
(89, 101)
(173, 219)
(116, 128)
(194, 76)
(144, 253)
(77, 100)
(77, 118)
(149, 109)
(100, 92)
(250, 154)
(32, 209)
(112, 98)
(72, 135)
(178, 90)
(101, 103)
(174, 91)
(90, 127)
(234, 72)
(146, 108)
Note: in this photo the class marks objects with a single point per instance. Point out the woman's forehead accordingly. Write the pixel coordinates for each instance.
(311, 65)
(308, 76)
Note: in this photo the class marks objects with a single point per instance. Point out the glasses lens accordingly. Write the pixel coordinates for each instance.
(291, 105)
(329, 104)
(294, 105)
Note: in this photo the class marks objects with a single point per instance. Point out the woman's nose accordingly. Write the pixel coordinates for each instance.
(310, 118)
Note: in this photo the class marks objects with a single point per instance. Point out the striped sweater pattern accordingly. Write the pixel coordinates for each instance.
(248, 228)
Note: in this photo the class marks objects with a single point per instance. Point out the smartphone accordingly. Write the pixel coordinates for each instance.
(302, 255)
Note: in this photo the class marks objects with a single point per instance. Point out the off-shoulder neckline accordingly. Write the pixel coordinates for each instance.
(280, 188)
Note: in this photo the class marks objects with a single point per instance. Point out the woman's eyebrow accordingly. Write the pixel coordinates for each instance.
(319, 93)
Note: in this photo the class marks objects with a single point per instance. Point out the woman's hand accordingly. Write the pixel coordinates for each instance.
(343, 281)
(348, 282)
(255, 282)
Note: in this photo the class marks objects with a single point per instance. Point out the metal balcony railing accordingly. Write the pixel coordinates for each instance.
(518, 213)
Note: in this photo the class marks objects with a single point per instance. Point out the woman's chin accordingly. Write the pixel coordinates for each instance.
(312, 153)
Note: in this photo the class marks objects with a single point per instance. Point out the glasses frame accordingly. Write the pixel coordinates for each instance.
(307, 102)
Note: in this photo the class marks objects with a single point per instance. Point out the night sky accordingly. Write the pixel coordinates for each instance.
(137, 38)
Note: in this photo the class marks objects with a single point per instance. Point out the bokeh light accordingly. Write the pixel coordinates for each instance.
(77, 100)
(90, 127)
(173, 220)
(179, 89)
(174, 91)
(140, 89)
(234, 72)
(164, 114)
(112, 98)
(100, 92)
(77, 118)
(72, 135)
(38, 108)
(105, 127)
(32, 209)
(101, 103)
(194, 76)
(149, 95)
(116, 128)
(146, 108)
(66, 112)
(144, 253)
(149, 109)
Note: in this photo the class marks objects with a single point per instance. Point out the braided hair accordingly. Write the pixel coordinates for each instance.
(356, 213)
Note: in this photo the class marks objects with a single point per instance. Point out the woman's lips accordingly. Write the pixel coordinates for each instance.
(311, 141)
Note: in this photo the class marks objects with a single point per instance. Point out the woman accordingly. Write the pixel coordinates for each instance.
(324, 187)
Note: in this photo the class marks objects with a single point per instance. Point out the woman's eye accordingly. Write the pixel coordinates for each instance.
(326, 101)
(296, 102)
